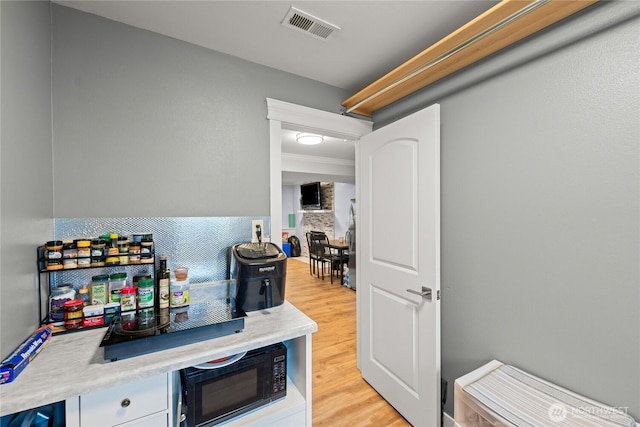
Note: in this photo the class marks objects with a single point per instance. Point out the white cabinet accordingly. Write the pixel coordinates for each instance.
(145, 402)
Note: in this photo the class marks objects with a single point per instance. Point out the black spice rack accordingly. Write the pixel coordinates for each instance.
(49, 278)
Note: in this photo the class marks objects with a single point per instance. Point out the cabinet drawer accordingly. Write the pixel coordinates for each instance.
(161, 419)
(125, 402)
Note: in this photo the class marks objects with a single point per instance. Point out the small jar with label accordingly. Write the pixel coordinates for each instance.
(59, 296)
(69, 250)
(127, 299)
(73, 314)
(83, 251)
(98, 252)
(53, 250)
(146, 250)
(69, 263)
(113, 244)
(83, 294)
(134, 253)
(123, 250)
(100, 289)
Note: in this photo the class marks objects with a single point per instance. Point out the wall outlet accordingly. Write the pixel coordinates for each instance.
(257, 225)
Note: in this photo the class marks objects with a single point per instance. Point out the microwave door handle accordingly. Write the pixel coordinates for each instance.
(266, 289)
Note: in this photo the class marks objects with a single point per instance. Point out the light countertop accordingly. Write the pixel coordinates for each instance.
(72, 364)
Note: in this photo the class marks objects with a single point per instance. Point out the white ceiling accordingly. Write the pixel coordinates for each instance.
(374, 37)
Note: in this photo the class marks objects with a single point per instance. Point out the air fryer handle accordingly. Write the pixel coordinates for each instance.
(266, 290)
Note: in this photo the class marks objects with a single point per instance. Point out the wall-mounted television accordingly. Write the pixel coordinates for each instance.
(310, 196)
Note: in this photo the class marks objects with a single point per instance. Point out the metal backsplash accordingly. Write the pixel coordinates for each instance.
(198, 243)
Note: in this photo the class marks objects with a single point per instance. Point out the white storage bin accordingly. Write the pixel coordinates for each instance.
(499, 395)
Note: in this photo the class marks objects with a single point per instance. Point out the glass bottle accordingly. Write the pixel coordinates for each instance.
(162, 279)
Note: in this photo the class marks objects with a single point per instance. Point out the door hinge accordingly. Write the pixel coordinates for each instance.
(437, 294)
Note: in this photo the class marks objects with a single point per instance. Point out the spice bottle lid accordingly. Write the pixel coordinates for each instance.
(128, 290)
(118, 276)
(74, 302)
(100, 278)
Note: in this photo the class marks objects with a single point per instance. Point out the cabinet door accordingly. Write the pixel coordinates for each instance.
(125, 402)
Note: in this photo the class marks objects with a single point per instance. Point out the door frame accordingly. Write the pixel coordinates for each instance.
(283, 114)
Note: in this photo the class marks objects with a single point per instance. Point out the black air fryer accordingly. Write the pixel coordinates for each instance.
(260, 273)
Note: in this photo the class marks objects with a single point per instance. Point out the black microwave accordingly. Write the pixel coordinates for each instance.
(211, 395)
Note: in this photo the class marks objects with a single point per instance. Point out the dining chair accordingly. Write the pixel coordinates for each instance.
(314, 253)
(328, 256)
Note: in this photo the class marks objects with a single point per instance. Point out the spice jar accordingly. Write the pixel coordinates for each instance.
(128, 299)
(53, 249)
(53, 264)
(73, 314)
(100, 289)
(113, 244)
(117, 281)
(53, 255)
(69, 255)
(146, 250)
(83, 250)
(68, 263)
(97, 252)
(145, 293)
(60, 295)
(123, 250)
(69, 250)
(134, 253)
(83, 294)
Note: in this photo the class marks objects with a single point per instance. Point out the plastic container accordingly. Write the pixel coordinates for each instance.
(127, 299)
(73, 317)
(83, 249)
(53, 249)
(83, 294)
(123, 250)
(117, 281)
(60, 295)
(146, 250)
(134, 253)
(145, 293)
(179, 293)
(98, 252)
(69, 250)
(69, 263)
(111, 310)
(93, 316)
(100, 289)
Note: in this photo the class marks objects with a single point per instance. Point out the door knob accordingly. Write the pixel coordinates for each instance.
(426, 292)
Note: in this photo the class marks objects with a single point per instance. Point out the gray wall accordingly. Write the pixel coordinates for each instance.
(25, 162)
(540, 207)
(149, 126)
(125, 123)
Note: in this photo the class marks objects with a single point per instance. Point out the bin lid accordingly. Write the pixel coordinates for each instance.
(257, 250)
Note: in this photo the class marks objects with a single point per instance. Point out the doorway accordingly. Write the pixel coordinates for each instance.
(282, 116)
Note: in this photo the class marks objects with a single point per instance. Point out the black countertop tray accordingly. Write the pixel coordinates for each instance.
(136, 333)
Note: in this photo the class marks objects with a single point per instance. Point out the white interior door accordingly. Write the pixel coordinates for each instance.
(399, 257)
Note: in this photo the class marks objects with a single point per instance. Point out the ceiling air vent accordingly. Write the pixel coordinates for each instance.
(309, 24)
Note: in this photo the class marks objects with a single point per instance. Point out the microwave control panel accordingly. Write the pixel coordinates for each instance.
(279, 373)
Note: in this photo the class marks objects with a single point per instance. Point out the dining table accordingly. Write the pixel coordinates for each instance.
(340, 245)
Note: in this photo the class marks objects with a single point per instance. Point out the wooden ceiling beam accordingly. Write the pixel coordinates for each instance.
(503, 25)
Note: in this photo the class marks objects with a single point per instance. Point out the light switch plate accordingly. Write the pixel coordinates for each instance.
(254, 224)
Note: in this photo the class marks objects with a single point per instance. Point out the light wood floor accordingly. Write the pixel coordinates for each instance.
(340, 396)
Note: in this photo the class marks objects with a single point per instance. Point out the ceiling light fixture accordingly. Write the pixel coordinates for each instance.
(309, 139)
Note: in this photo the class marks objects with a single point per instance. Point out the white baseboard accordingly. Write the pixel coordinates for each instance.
(447, 421)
